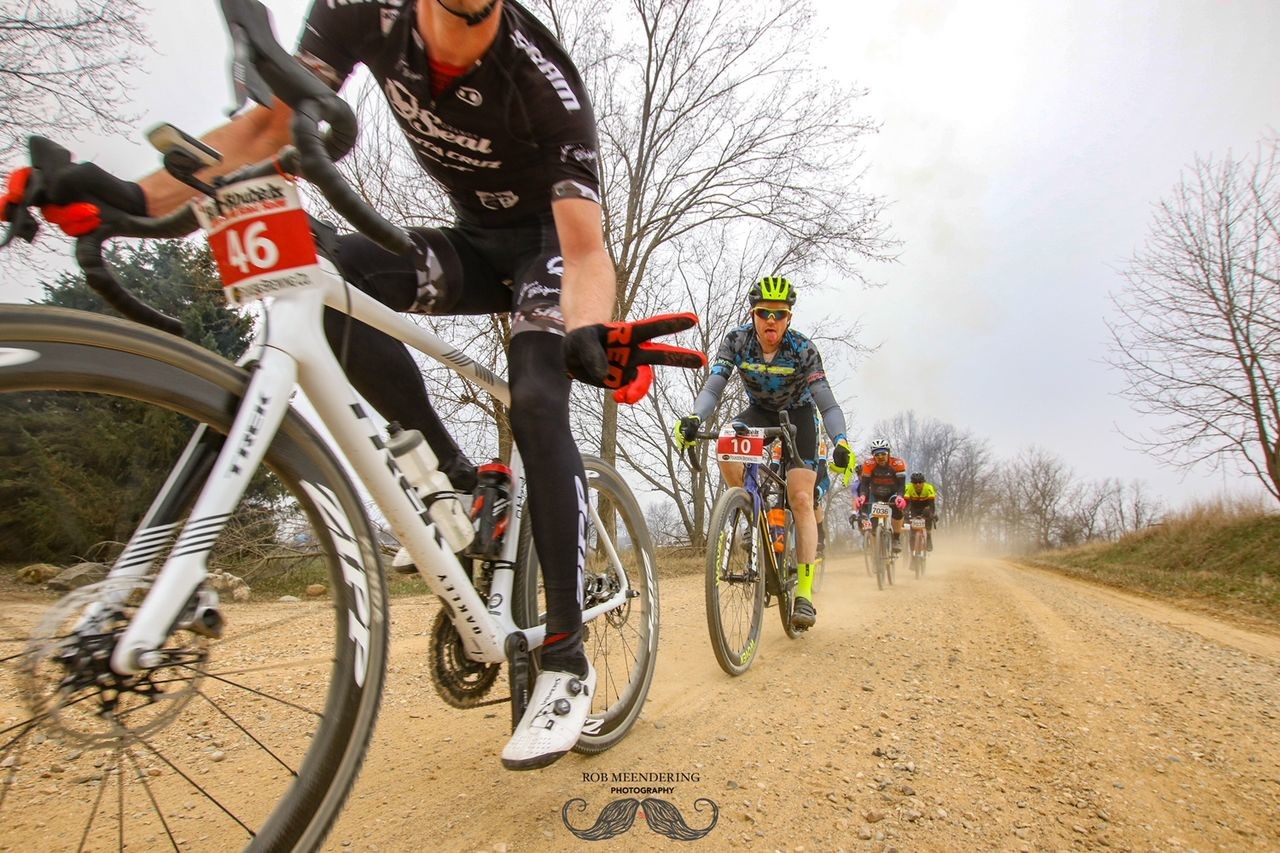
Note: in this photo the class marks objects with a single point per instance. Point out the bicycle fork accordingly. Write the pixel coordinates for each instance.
(260, 414)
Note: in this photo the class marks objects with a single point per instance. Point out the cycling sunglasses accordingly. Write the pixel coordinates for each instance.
(771, 313)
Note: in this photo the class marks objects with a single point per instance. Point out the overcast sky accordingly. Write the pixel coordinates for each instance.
(1023, 145)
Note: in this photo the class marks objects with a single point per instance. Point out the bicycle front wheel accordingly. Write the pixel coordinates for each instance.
(623, 643)
(735, 585)
(248, 727)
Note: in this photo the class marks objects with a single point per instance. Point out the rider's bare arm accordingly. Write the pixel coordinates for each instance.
(250, 137)
(589, 284)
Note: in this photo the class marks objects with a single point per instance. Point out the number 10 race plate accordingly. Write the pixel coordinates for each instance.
(734, 447)
(260, 238)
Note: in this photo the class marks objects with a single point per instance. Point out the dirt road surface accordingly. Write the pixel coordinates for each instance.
(984, 707)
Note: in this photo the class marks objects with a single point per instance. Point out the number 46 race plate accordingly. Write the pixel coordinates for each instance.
(746, 447)
(260, 238)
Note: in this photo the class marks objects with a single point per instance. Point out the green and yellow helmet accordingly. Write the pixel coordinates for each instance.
(772, 288)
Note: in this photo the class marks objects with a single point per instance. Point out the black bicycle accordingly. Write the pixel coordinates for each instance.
(751, 544)
(879, 538)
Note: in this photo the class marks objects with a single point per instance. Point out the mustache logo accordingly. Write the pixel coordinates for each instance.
(618, 816)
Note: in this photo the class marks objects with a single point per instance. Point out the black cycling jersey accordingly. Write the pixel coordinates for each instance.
(512, 134)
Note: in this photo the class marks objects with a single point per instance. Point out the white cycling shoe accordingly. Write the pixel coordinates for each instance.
(552, 724)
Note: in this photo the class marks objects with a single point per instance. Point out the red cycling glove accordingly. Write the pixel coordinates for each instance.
(14, 191)
(75, 219)
(619, 355)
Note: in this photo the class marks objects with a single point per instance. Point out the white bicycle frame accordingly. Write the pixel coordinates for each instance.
(292, 350)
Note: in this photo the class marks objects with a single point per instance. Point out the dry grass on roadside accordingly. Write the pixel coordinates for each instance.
(1222, 556)
(680, 560)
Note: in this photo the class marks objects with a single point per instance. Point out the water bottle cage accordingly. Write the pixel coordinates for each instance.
(489, 515)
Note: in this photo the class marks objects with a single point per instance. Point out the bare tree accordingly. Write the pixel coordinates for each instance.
(1033, 491)
(706, 120)
(64, 66)
(957, 462)
(663, 521)
(711, 137)
(1084, 515)
(1132, 507)
(1198, 334)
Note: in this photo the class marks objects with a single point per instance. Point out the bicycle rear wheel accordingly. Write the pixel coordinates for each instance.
(734, 582)
(623, 643)
(254, 725)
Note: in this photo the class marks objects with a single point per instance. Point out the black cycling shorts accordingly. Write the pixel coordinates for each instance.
(467, 270)
(801, 417)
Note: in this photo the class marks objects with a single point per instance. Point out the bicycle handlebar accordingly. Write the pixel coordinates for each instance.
(785, 430)
(261, 69)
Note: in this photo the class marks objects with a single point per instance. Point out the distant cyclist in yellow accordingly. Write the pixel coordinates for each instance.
(781, 371)
(922, 499)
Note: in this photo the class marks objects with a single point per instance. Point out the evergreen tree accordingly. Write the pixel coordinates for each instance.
(80, 469)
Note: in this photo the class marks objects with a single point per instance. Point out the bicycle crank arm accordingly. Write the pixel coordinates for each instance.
(518, 669)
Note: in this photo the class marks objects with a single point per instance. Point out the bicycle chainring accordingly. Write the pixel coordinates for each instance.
(460, 681)
(69, 682)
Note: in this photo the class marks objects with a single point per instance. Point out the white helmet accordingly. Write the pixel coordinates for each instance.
(878, 445)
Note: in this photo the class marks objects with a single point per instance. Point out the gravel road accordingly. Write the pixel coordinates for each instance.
(984, 707)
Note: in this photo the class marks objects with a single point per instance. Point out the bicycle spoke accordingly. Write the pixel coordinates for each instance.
(255, 692)
(146, 786)
(247, 733)
(93, 813)
(195, 785)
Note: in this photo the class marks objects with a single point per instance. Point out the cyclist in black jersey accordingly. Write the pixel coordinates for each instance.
(781, 371)
(495, 111)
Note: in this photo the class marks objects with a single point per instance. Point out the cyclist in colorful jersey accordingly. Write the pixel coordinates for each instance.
(781, 371)
(922, 500)
(884, 478)
(496, 113)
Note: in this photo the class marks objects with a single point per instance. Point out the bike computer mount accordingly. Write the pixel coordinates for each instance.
(184, 155)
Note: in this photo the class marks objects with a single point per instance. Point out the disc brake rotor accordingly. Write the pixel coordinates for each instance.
(66, 669)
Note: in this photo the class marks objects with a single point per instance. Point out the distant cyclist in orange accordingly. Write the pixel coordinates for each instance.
(884, 478)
